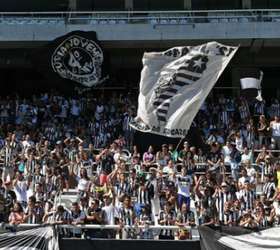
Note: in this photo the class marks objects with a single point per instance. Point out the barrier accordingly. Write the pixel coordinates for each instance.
(155, 228)
(74, 244)
(153, 17)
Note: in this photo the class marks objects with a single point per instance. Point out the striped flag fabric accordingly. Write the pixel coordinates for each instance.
(40, 238)
(236, 238)
(175, 83)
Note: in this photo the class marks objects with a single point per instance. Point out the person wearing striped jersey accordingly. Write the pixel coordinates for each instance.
(227, 218)
(247, 196)
(269, 187)
(145, 193)
(185, 218)
(127, 219)
(167, 217)
(223, 196)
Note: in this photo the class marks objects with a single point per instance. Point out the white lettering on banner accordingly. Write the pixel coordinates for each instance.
(78, 59)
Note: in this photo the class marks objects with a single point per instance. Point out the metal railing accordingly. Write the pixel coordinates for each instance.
(154, 17)
(155, 228)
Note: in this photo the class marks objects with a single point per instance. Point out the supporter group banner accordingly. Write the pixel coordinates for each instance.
(76, 56)
(175, 83)
(238, 238)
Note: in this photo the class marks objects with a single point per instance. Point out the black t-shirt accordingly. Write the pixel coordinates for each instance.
(107, 164)
(9, 198)
(91, 212)
(214, 156)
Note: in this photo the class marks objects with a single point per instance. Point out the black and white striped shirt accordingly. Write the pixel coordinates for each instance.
(269, 189)
(127, 216)
(226, 218)
(169, 218)
(122, 188)
(248, 198)
(145, 194)
(221, 199)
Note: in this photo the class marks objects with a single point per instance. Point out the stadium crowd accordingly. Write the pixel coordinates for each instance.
(50, 144)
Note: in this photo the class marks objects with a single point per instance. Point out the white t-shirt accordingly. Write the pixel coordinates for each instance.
(168, 170)
(246, 157)
(239, 143)
(21, 191)
(184, 184)
(83, 184)
(75, 110)
(276, 129)
(109, 214)
(27, 144)
(251, 171)
(226, 152)
(242, 180)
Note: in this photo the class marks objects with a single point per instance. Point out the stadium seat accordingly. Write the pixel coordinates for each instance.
(93, 21)
(173, 21)
(233, 20)
(103, 22)
(244, 19)
(43, 21)
(112, 22)
(183, 21)
(224, 20)
(163, 21)
(213, 20)
(52, 21)
(154, 21)
(276, 19)
(61, 22)
(122, 21)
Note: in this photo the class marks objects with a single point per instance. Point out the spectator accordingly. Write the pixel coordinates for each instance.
(185, 218)
(16, 216)
(275, 132)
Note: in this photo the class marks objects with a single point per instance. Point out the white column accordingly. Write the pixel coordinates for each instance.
(246, 4)
(128, 4)
(72, 5)
(187, 4)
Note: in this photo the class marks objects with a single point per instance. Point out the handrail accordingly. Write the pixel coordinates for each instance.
(96, 226)
(139, 12)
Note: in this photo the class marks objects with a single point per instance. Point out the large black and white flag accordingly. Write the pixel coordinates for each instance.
(76, 56)
(41, 238)
(174, 84)
(237, 238)
(250, 80)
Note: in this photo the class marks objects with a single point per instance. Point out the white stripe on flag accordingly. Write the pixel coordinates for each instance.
(250, 83)
(266, 239)
(185, 80)
(187, 72)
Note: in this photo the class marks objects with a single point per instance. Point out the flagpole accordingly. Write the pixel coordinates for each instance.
(179, 143)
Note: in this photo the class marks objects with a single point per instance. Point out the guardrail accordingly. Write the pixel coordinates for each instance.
(153, 17)
(157, 228)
